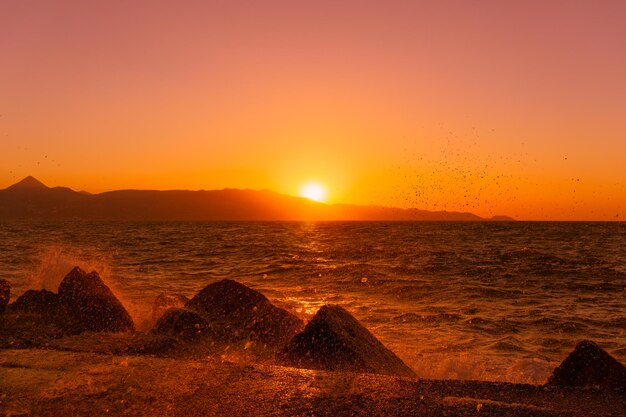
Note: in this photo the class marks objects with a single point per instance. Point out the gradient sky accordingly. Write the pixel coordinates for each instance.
(495, 107)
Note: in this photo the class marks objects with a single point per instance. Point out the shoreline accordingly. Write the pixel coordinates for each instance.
(50, 382)
(229, 351)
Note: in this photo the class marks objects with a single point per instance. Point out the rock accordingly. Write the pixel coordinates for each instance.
(35, 318)
(589, 366)
(42, 302)
(334, 340)
(243, 314)
(164, 302)
(179, 322)
(5, 294)
(92, 303)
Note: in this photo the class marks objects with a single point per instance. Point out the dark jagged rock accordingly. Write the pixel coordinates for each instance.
(35, 318)
(334, 340)
(5, 294)
(92, 303)
(179, 322)
(164, 302)
(243, 314)
(589, 366)
(42, 302)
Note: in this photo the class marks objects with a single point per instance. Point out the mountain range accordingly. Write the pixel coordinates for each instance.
(31, 199)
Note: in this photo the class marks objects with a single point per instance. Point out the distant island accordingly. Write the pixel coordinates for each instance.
(31, 199)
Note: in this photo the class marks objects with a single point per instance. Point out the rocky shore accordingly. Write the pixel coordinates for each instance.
(229, 350)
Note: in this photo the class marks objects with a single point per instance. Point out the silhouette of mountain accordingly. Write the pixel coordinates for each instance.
(28, 183)
(31, 199)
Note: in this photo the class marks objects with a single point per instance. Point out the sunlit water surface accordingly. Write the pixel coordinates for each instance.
(494, 301)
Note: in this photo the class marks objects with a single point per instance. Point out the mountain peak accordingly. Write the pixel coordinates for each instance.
(29, 182)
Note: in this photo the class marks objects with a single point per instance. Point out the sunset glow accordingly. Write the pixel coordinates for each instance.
(313, 191)
(284, 208)
(433, 105)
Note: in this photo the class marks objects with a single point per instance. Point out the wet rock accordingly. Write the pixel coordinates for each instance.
(42, 302)
(589, 366)
(93, 305)
(240, 313)
(334, 340)
(158, 345)
(5, 294)
(164, 302)
(35, 318)
(186, 324)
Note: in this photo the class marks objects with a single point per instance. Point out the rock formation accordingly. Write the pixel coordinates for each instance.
(92, 303)
(240, 313)
(182, 323)
(589, 366)
(164, 302)
(334, 340)
(33, 319)
(41, 302)
(5, 294)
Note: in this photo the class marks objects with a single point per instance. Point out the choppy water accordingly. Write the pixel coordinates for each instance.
(495, 301)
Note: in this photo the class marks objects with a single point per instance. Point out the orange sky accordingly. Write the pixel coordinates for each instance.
(493, 107)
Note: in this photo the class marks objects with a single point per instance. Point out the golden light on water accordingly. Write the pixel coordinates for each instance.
(313, 191)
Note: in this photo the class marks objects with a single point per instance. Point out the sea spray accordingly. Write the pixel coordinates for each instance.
(490, 301)
(52, 263)
(467, 366)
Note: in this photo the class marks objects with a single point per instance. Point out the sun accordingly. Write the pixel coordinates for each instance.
(313, 191)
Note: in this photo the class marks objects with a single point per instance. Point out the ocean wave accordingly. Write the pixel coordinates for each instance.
(485, 296)
(428, 318)
(508, 344)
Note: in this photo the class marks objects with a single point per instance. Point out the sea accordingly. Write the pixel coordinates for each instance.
(497, 301)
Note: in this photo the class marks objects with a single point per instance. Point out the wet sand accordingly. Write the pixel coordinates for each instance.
(55, 382)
